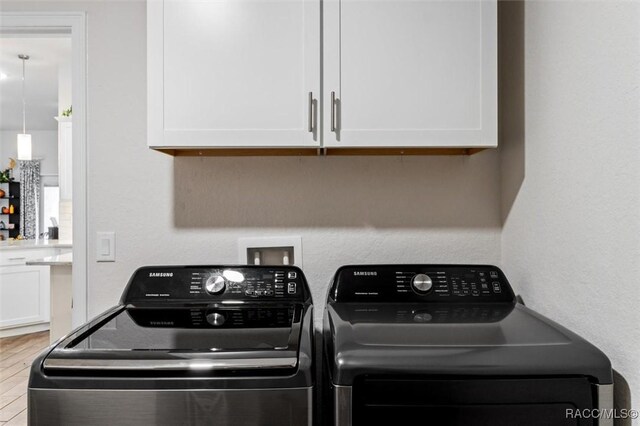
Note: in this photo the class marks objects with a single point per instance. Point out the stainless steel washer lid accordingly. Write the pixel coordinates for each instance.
(197, 327)
(182, 338)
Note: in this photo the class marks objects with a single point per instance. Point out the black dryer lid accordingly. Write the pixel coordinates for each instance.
(444, 319)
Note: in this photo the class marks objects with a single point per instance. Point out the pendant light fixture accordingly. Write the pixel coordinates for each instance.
(24, 139)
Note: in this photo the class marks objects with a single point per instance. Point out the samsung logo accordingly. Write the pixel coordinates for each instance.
(160, 274)
(160, 322)
(365, 273)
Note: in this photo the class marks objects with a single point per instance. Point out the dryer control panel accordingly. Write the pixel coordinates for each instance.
(216, 283)
(420, 283)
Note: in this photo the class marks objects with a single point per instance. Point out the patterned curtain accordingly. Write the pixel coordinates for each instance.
(29, 198)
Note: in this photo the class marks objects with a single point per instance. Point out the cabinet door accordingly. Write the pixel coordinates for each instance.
(233, 74)
(414, 73)
(24, 295)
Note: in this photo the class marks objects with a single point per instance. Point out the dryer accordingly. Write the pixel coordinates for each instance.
(188, 345)
(449, 345)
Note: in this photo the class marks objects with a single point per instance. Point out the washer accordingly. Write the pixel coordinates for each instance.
(449, 345)
(188, 345)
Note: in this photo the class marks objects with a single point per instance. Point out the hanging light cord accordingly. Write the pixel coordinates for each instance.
(24, 101)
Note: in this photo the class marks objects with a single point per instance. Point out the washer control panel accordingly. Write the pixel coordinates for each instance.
(217, 283)
(421, 283)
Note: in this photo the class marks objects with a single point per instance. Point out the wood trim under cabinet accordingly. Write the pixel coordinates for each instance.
(283, 152)
(402, 151)
(237, 152)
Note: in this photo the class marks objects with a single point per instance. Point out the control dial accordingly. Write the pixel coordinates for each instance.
(215, 284)
(216, 319)
(421, 283)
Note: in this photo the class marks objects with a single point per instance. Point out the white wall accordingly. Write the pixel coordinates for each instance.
(64, 84)
(571, 238)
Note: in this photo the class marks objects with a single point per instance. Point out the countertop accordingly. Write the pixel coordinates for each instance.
(59, 260)
(33, 244)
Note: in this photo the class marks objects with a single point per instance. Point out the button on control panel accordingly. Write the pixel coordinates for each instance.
(421, 283)
(215, 284)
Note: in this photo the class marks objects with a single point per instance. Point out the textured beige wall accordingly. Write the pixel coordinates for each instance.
(570, 153)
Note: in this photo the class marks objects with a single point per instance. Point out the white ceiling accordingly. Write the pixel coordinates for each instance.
(46, 54)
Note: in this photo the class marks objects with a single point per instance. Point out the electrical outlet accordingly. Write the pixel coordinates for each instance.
(270, 251)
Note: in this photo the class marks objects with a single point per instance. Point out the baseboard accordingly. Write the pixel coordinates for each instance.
(26, 329)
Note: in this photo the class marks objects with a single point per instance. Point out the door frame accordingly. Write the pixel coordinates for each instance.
(74, 24)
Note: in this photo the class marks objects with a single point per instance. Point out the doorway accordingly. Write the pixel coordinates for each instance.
(69, 186)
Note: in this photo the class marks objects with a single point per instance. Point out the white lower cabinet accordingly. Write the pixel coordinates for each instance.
(21, 256)
(24, 295)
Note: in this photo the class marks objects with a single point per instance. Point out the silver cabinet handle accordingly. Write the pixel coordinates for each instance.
(333, 111)
(312, 113)
(17, 258)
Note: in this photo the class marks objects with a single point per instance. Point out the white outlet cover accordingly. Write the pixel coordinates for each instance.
(255, 242)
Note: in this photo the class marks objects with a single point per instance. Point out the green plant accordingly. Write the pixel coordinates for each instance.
(68, 112)
(5, 176)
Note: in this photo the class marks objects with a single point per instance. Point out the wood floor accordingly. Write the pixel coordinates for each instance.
(16, 354)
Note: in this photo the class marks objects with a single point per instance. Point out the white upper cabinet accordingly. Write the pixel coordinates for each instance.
(395, 74)
(410, 73)
(233, 73)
